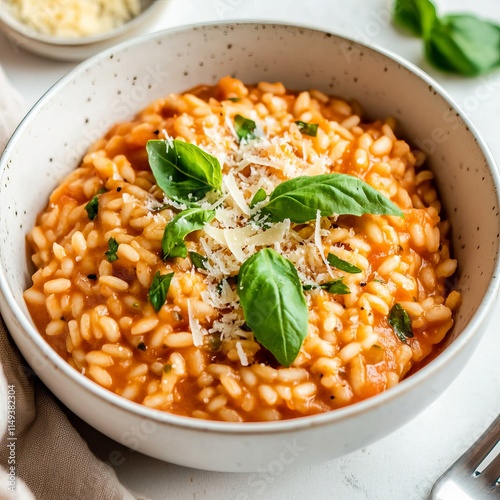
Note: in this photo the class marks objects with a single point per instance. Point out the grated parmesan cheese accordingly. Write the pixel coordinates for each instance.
(194, 325)
(74, 18)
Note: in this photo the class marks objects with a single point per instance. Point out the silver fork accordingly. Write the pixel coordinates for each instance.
(463, 481)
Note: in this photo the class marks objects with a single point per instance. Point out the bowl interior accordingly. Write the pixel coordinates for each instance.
(114, 85)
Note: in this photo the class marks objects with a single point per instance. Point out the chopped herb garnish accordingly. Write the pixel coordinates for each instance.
(199, 261)
(92, 207)
(102, 191)
(92, 276)
(159, 288)
(167, 368)
(308, 128)
(334, 287)
(141, 346)
(112, 249)
(343, 265)
(234, 99)
(400, 322)
(244, 128)
(258, 197)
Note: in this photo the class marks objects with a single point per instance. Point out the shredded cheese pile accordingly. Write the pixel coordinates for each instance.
(234, 235)
(74, 18)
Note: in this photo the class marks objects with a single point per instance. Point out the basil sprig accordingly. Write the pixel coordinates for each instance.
(183, 171)
(308, 128)
(273, 303)
(464, 44)
(459, 43)
(244, 128)
(400, 322)
(157, 294)
(343, 265)
(299, 199)
(417, 16)
(192, 219)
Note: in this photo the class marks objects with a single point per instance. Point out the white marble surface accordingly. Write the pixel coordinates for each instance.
(406, 463)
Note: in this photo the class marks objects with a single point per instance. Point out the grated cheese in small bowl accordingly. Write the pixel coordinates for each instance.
(74, 18)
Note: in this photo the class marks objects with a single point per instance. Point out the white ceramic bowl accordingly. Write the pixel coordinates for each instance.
(76, 49)
(113, 86)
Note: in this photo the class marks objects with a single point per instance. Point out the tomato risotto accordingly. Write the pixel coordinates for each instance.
(245, 253)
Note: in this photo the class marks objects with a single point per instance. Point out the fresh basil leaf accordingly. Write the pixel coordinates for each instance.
(158, 290)
(234, 99)
(183, 171)
(192, 219)
(198, 261)
(258, 197)
(299, 199)
(273, 303)
(308, 128)
(244, 128)
(464, 44)
(400, 322)
(417, 16)
(343, 265)
(92, 207)
(112, 249)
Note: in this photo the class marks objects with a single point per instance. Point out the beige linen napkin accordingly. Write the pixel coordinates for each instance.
(40, 450)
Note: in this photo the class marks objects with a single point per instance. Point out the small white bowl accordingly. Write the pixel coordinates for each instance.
(76, 49)
(116, 84)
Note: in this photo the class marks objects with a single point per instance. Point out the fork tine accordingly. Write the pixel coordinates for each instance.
(485, 443)
(491, 473)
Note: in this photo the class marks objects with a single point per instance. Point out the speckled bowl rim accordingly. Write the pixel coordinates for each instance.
(18, 27)
(248, 428)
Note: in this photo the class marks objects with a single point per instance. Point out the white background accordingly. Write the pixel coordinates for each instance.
(405, 464)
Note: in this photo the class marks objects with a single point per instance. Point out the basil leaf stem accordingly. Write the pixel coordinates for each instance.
(192, 219)
(112, 249)
(308, 128)
(158, 290)
(299, 199)
(183, 171)
(400, 322)
(343, 265)
(244, 128)
(92, 207)
(273, 303)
